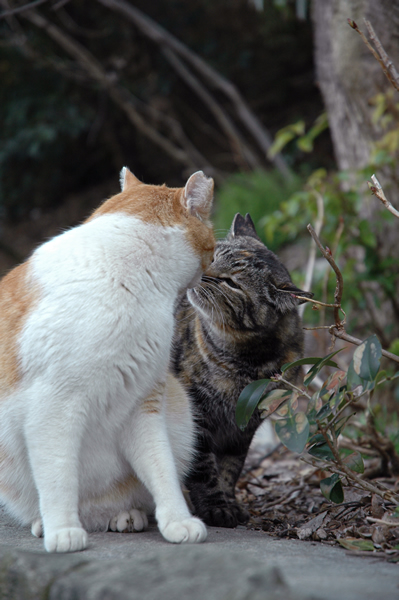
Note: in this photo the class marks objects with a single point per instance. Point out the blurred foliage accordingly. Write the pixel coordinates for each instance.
(329, 414)
(61, 133)
(258, 192)
(42, 122)
(343, 195)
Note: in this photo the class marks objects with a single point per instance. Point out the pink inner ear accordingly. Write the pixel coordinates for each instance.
(198, 194)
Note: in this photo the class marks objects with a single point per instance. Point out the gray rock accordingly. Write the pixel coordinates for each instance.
(194, 572)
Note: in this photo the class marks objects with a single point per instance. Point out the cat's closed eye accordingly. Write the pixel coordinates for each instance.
(229, 282)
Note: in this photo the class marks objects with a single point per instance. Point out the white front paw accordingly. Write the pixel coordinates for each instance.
(128, 522)
(69, 539)
(190, 530)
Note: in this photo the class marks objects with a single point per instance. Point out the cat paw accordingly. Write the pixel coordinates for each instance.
(129, 521)
(190, 530)
(37, 528)
(228, 515)
(70, 539)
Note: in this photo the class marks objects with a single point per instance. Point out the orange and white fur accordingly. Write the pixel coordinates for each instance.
(93, 432)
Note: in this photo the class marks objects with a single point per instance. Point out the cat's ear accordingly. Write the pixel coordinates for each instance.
(241, 226)
(127, 179)
(198, 195)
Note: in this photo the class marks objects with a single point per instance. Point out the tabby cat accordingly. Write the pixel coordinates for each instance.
(239, 325)
(93, 432)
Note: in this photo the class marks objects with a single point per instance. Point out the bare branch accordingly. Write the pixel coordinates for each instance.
(338, 330)
(312, 253)
(390, 72)
(340, 282)
(163, 38)
(377, 190)
(382, 58)
(20, 9)
(349, 338)
(120, 95)
(239, 146)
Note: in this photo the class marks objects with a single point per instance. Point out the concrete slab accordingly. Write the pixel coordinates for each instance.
(231, 565)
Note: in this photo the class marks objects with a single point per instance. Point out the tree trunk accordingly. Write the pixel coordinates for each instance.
(349, 76)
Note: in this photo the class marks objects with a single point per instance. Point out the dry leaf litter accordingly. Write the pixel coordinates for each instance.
(283, 497)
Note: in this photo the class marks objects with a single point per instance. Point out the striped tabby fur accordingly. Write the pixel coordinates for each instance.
(239, 325)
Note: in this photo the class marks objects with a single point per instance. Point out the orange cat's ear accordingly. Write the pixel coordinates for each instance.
(127, 179)
(198, 195)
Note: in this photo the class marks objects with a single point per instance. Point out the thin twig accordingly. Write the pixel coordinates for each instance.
(381, 522)
(160, 36)
(280, 379)
(120, 95)
(377, 190)
(20, 9)
(340, 282)
(334, 249)
(389, 495)
(339, 333)
(239, 146)
(318, 302)
(312, 254)
(390, 71)
(385, 63)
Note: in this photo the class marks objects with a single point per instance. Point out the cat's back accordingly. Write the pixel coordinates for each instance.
(103, 292)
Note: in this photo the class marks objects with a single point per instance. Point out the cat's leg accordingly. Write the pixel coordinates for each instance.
(206, 493)
(53, 435)
(230, 468)
(147, 447)
(211, 483)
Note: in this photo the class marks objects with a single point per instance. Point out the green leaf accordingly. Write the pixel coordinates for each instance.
(367, 357)
(394, 347)
(332, 382)
(380, 376)
(284, 136)
(272, 401)
(305, 144)
(293, 431)
(355, 462)
(324, 412)
(331, 488)
(353, 380)
(321, 451)
(356, 544)
(312, 360)
(341, 423)
(248, 401)
(323, 362)
(317, 438)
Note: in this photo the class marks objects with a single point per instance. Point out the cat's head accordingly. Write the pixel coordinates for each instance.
(246, 287)
(188, 208)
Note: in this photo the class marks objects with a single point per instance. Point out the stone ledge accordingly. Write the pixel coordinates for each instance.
(172, 573)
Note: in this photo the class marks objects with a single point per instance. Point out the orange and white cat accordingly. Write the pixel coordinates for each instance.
(93, 432)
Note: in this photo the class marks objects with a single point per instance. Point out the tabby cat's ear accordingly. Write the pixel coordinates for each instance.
(127, 179)
(198, 195)
(241, 226)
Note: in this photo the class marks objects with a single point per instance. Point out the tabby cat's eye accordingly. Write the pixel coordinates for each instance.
(230, 282)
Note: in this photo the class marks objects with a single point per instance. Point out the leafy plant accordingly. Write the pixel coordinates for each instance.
(318, 428)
